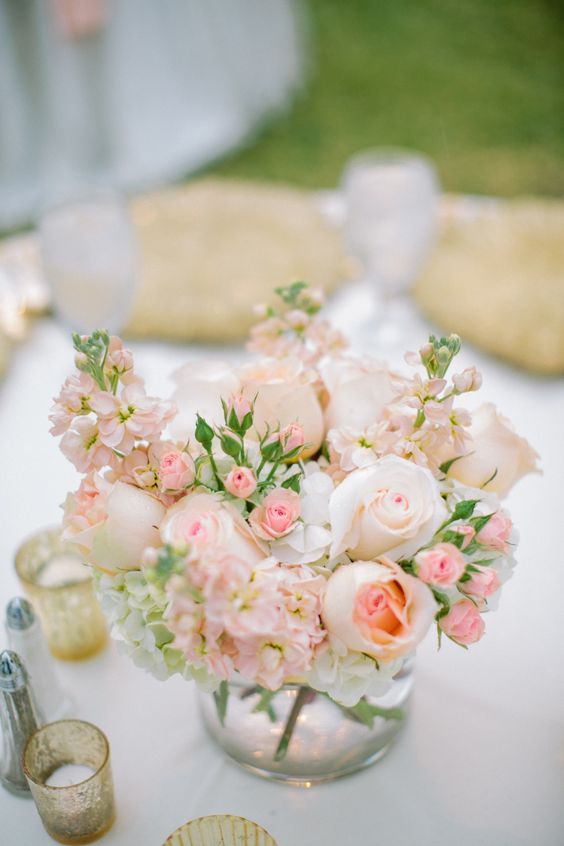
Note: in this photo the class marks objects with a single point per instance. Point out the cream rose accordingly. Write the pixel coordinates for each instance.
(284, 396)
(495, 448)
(203, 520)
(358, 389)
(376, 608)
(132, 525)
(200, 387)
(392, 506)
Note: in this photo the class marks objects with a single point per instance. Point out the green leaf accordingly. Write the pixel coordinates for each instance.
(464, 509)
(455, 538)
(366, 712)
(293, 483)
(265, 704)
(478, 523)
(204, 433)
(446, 465)
(271, 451)
(221, 695)
(441, 598)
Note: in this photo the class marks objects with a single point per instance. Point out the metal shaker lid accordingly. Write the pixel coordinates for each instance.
(19, 614)
(13, 674)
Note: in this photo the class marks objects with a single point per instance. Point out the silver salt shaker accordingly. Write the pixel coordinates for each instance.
(25, 637)
(19, 718)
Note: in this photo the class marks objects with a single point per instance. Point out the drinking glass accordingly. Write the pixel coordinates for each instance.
(89, 258)
(392, 200)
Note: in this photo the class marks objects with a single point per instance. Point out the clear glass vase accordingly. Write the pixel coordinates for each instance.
(301, 736)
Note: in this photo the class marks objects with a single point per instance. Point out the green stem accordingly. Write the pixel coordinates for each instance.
(299, 702)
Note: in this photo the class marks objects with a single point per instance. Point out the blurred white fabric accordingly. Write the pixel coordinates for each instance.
(158, 90)
(481, 760)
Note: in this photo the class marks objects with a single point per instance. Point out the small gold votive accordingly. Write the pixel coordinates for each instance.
(220, 830)
(67, 766)
(59, 585)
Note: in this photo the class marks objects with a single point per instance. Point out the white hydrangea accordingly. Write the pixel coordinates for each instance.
(135, 609)
(348, 676)
(310, 540)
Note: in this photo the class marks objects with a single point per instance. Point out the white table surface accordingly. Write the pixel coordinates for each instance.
(481, 762)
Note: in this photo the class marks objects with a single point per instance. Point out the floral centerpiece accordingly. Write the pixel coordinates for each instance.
(302, 520)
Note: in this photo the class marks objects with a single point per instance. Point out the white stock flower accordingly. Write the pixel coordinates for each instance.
(348, 676)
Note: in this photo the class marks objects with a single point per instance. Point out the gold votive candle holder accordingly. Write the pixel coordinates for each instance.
(71, 812)
(220, 830)
(59, 585)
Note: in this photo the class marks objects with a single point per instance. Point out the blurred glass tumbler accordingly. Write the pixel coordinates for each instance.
(71, 811)
(89, 258)
(60, 588)
(220, 830)
(392, 199)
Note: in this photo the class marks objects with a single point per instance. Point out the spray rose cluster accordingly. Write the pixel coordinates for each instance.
(308, 516)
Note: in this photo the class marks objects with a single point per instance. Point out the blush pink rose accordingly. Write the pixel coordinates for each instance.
(376, 608)
(495, 533)
(176, 470)
(277, 514)
(443, 565)
(203, 520)
(241, 482)
(292, 437)
(463, 623)
(483, 583)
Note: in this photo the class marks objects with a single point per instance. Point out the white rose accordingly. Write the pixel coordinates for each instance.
(284, 396)
(131, 526)
(495, 449)
(376, 608)
(392, 506)
(359, 390)
(201, 385)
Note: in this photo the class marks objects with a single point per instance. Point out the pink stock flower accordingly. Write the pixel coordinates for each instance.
(468, 533)
(443, 565)
(83, 446)
(132, 416)
(495, 534)
(482, 583)
(73, 399)
(277, 514)
(463, 623)
(468, 380)
(241, 405)
(176, 471)
(120, 360)
(241, 482)
(269, 659)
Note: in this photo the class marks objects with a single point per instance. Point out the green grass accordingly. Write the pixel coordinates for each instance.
(476, 84)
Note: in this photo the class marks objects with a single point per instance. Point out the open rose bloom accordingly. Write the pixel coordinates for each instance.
(307, 517)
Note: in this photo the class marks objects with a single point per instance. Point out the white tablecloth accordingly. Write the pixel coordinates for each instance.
(482, 759)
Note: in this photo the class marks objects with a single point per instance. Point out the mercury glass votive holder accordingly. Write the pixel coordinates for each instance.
(59, 585)
(220, 830)
(78, 812)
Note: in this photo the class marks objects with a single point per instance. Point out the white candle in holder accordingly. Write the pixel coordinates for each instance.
(62, 570)
(69, 774)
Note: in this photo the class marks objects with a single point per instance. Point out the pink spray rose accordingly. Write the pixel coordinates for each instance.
(467, 531)
(495, 533)
(277, 515)
(241, 482)
(463, 623)
(176, 470)
(443, 565)
(240, 405)
(483, 583)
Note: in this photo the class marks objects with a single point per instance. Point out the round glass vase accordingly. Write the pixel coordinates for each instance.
(299, 735)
